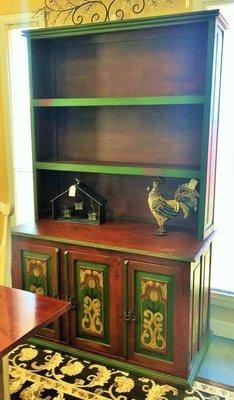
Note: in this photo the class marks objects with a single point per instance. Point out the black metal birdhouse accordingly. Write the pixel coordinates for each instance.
(79, 203)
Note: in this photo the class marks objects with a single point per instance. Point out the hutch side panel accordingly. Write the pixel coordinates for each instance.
(196, 291)
(200, 292)
(213, 136)
(205, 294)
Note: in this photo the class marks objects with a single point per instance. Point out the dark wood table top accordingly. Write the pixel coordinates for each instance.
(21, 312)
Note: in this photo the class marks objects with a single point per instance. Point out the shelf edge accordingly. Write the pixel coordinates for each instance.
(118, 101)
(120, 170)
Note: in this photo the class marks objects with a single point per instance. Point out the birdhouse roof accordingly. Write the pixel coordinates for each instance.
(91, 193)
(87, 191)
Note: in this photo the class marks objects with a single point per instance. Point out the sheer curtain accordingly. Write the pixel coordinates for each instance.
(21, 130)
(222, 278)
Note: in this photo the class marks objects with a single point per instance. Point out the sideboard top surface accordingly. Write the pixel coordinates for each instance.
(121, 236)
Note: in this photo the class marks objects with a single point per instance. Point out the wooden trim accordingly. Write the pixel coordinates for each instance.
(214, 383)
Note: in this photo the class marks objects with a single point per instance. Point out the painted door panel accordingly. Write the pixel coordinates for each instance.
(155, 328)
(35, 269)
(96, 285)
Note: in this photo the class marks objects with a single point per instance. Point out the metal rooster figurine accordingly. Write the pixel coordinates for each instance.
(185, 200)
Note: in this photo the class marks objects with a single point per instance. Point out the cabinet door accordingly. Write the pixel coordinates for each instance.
(96, 285)
(155, 316)
(35, 269)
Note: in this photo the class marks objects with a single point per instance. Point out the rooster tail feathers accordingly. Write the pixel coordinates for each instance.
(187, 205)
(187, 198)
(185, 209)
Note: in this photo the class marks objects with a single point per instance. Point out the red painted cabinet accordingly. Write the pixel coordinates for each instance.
(151, 312)
(117, 107)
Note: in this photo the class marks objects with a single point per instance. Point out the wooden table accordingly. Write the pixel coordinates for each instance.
(20, 313)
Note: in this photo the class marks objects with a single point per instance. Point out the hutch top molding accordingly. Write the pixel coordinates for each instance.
(137, 23)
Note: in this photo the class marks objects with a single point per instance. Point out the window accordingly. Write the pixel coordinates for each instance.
(14, 54)
(222, 278)
(21, 130)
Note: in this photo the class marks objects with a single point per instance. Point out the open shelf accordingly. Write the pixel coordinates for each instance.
(126, 196)
(161, 61)
(118, 101)
(120, 169)
(119, 104)
(162, 135)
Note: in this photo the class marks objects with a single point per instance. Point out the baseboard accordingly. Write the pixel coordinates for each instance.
(222, 299)
(222, 315)
(222, 328)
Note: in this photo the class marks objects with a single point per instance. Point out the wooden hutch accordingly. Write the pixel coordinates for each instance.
(114, 105)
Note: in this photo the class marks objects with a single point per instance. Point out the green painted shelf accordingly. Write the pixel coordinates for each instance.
(147, 170)
(118, 101)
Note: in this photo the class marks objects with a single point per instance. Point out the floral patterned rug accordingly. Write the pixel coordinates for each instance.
(40, 373)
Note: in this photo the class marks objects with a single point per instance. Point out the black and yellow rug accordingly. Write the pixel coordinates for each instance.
(40, 373)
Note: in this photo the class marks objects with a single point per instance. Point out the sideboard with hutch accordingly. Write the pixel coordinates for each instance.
(114, 105)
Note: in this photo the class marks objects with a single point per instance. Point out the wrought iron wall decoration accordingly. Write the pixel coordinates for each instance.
(76, 12)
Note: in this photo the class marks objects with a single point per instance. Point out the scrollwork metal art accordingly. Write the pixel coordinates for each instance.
(76, 12)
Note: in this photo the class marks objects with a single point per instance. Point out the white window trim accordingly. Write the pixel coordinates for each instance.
(7, 22)
(199, 5)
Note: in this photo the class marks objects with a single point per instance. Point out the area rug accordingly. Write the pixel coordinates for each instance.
(41, 373)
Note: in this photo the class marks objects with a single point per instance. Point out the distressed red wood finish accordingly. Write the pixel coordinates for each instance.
(125, 249)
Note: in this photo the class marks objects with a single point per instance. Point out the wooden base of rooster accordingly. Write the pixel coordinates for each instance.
(185, 200)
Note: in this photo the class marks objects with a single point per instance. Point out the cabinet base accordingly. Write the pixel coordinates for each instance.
(199, 358)
(139, 371)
